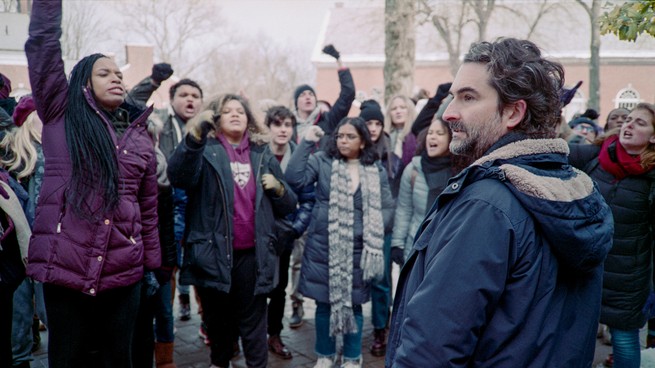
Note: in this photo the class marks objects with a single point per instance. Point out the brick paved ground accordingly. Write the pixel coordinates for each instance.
(191, 352)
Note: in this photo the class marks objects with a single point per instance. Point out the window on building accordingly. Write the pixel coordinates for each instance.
(577, 106)
(627, 98)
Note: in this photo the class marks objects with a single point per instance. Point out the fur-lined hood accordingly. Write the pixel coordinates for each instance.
(563, 201)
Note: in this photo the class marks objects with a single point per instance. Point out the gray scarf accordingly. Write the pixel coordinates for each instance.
(303, 124)
(341, 241)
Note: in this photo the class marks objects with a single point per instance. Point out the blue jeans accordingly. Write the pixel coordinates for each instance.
(179, 202)
(28, 294)
(326, 346)
(164, 321)
(626, 348)
(381, 290)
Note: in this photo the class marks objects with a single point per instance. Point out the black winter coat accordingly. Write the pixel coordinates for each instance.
(203, 170)
(628, 267)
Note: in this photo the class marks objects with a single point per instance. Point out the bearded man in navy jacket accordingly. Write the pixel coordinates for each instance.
(506, 269)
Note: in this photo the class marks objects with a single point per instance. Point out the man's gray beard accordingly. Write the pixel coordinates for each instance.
(465, 147)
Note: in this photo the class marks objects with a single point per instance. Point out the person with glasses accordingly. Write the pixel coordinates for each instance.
(585, 130)
(343, 252)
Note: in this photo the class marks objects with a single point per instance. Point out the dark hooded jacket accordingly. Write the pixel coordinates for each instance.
(203, 170)
(507, 267)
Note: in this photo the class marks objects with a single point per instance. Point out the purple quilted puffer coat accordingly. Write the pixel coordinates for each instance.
(65, 249)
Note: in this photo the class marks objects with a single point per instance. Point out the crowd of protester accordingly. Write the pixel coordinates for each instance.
(509, 251)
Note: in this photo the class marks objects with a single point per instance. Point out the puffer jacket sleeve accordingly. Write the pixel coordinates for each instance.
(148, 192)
(185, 165)
(460, 288)
(303, 215)
(342, 105)
(302, 169)
(404, 209)
(140, 94)
(46, 67)
(425, 116)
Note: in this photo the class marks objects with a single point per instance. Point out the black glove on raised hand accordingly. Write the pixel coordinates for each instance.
(161, 72)
(398, 256)
(442, 91)
(330, 50)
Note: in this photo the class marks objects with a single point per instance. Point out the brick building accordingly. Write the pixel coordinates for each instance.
(627, 69)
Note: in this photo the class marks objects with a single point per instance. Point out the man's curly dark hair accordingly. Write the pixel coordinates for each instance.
(517, 71)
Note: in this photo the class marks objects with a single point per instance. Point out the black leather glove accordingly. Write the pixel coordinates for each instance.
(442, 91)
(161, 72)
(330, 50)
(398, 256)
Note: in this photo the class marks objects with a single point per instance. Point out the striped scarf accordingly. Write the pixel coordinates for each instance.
(341, 241)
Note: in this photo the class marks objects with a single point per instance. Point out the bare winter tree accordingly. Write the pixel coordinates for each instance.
(9, 5)
(451, 21)
(482, 10)
(545, 8)
(399, 47)
(259, 68)
(593, 10)
(182, 32)
(82, 28)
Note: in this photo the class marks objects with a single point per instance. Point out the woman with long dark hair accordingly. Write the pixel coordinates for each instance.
(622, 164)
(422, 181)
(344, 248)
(236, 192)
(95, 229)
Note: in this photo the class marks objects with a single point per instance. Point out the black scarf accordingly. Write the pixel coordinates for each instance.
(437, 171)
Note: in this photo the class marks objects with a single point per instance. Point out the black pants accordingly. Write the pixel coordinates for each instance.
(143, 341)
(278, 295)
(238, 310)
(91, 331)
(6, 313)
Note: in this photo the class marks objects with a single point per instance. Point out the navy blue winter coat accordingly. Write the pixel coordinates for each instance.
(507, 267)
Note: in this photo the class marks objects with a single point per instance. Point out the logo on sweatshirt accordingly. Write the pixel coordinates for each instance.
(241, 173)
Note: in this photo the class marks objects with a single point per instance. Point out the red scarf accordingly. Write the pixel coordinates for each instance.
(617, 161)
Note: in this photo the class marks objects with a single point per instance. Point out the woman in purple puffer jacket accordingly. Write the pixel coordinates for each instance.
(95, 230)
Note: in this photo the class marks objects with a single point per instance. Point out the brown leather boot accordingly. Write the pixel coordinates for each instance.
(379, 346)
(164, 355)
(276, 346)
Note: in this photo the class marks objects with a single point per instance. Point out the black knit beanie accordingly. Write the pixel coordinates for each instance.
(300, 89)
(371, 110)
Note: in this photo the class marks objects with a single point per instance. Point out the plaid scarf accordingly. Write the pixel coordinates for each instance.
(341, 241)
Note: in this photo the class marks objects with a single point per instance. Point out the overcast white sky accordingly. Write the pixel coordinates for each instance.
(293, 22)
